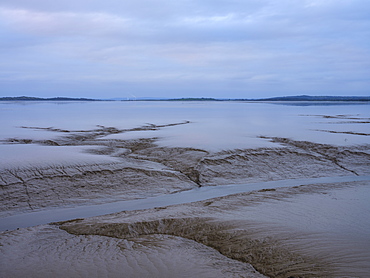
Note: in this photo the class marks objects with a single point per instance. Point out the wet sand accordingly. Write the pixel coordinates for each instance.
(47, 251)
(275, 231)
(303, 231)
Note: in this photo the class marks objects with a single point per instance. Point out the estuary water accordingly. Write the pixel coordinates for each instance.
(335, 221)
(198, 194)
(213, 125)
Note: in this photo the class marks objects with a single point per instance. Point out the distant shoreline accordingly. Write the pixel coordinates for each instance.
(25, 98)
(301, 98)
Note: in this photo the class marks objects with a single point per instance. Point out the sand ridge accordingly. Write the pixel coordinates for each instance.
(226, 224)
(146, 169)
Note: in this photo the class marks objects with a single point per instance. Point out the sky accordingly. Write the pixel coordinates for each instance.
(184, 48)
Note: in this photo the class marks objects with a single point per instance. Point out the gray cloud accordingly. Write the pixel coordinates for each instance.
(184, 48)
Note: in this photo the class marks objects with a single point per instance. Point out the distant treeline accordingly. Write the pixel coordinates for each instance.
(24, 98)
(286, 98)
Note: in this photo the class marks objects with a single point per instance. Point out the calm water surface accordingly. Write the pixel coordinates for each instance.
(342, 226)
(214, 125)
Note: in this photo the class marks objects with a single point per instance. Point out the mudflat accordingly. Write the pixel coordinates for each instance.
(310, 230)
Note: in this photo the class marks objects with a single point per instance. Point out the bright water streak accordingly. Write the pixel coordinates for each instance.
(198, 194)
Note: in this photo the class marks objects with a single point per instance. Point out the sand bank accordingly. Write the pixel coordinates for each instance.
(304, 231)
(142, 169)
(47, 251)
(246, 229)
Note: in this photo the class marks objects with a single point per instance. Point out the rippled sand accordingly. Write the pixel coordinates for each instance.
(138, 168)
(304, 231)
(47, 251)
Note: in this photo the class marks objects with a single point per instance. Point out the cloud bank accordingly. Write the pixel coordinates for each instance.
(157, 48)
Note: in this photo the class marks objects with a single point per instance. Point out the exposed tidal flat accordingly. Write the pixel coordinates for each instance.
(313, 223)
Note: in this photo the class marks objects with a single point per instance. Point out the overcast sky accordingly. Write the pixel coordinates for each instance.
(184, 48)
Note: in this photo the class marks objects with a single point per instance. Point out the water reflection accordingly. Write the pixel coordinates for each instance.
(214, 125)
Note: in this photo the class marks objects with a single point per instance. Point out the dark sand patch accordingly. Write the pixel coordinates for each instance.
(233, 226)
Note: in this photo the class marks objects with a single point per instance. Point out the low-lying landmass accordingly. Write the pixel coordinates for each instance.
(316, 98)
(300, 98)
(26, 98)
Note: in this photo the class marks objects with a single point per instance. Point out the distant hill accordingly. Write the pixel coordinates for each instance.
(24, 98)
(286, 98)
(316, 98)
